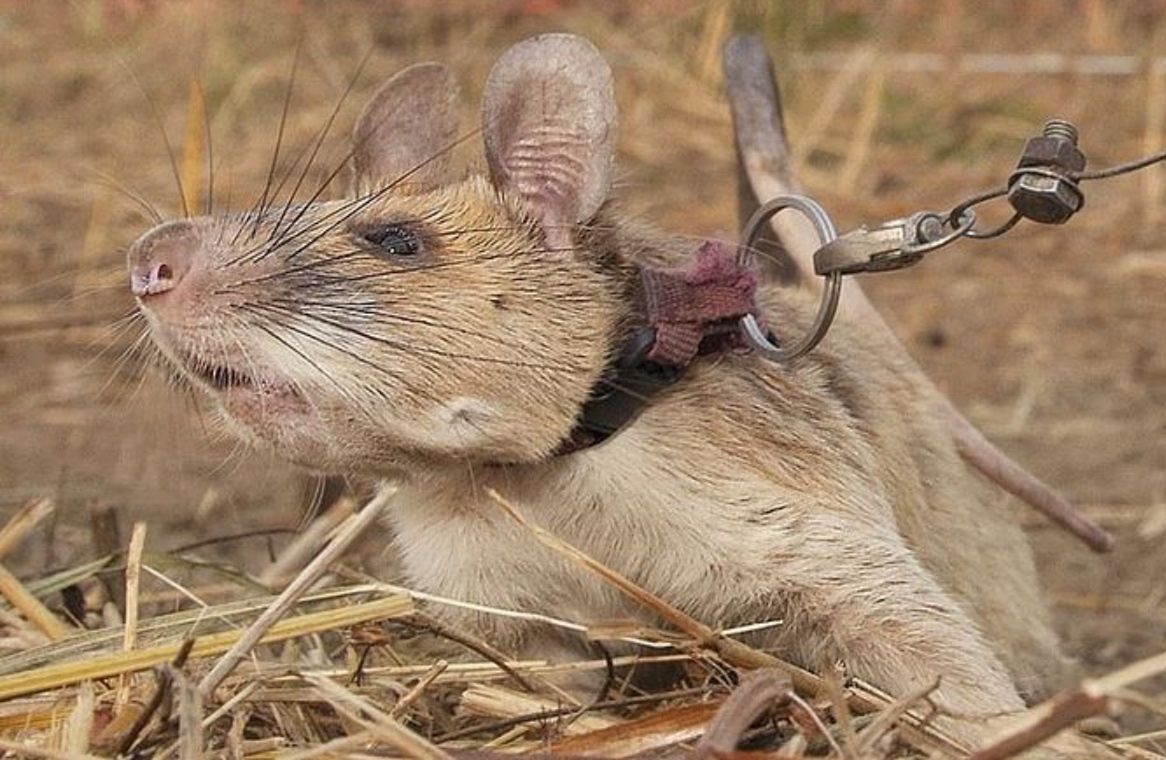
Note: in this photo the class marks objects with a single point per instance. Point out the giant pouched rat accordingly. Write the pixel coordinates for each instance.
(447, 332)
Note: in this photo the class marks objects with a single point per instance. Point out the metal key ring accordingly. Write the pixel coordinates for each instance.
(824, 226)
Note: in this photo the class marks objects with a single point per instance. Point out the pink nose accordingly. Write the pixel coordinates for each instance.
(161, 258)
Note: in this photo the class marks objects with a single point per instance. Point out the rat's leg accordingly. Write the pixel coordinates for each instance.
(856, 593)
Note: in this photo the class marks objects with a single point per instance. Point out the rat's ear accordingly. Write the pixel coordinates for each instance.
(549, 120)
(406, 132)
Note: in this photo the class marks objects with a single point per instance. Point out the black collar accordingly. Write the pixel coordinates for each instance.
(629, 383)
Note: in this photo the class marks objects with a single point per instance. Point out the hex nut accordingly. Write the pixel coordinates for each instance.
(1046, 200)
(1055, 152)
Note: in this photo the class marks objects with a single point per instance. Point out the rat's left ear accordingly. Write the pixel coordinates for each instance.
(405, 134)
(549, 119)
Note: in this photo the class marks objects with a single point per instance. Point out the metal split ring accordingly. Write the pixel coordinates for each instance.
(824, 226)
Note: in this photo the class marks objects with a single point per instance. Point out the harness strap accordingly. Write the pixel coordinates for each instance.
(690, 311)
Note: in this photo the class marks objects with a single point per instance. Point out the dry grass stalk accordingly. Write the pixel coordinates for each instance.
(1152, 137)
(31, 607)
(296, 589)
(133, 575)
(832, 680)
(886, 720)
(306, 544)
(501, 703)
(30, 751)
(379, 723)
(133, 584)
(1090, 698)
(226, 708)
(22, 522)
(190, 734)
(652, 732)
(474, 643)
(829, 106)
(33, 715)
(107, 665)
(862, 140)
(415, 693)
(79, 726)
(486, 672)
(194, 147)
(341, 746)
(759, 692)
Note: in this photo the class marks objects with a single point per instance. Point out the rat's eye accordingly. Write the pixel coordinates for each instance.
(392, 240)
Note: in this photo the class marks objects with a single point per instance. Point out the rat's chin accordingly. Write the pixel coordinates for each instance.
(263, 405)
(277, 418)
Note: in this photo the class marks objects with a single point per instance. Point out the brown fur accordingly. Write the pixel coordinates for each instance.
(826, 492)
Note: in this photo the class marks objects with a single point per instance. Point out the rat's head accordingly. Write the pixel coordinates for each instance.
(426, 318)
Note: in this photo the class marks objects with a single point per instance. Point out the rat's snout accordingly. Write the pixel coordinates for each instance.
(160, 259)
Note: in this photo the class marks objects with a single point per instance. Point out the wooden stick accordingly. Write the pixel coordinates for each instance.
(764, 154)
(105, 530)
(1045, 720)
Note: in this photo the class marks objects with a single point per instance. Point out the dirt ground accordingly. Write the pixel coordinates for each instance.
(1050, 339)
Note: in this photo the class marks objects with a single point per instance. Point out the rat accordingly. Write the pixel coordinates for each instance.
(446, 332)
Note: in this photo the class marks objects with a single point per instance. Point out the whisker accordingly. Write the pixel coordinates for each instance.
(320, 141)
(319, 339)
(344, 392)
(374, 310)
(165, 138)
(360, 203)
(396, 345)
(210, 154)
(120, 365)
(262, 204)
(143, 203)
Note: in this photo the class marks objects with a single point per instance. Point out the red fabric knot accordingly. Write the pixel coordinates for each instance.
(696, 309)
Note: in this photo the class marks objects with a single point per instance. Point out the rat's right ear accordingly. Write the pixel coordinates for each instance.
(549, 120)
(405, 135)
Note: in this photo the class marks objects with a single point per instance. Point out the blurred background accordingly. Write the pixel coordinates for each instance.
(1050, 339)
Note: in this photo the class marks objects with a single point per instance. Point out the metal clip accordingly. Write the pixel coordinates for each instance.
(896, 244)
(865, 250)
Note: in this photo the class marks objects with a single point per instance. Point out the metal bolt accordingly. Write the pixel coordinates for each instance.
(1042, 187)
(929, 228)
(1061, 128)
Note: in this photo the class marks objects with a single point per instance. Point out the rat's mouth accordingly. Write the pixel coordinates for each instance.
(241, 391)
(223, 378)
